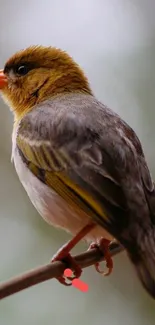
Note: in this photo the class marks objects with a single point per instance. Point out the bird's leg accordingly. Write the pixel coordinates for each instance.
(63, 253)
(103, 246)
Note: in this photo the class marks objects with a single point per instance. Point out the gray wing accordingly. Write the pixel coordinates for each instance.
(88, 155)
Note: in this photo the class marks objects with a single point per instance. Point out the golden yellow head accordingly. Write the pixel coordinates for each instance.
(38, 73)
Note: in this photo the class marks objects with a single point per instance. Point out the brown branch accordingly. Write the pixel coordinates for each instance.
(52, 270)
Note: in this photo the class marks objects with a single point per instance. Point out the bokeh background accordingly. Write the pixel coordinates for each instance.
(114, 41)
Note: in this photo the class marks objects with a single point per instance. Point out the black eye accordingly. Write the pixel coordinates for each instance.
(22, 70)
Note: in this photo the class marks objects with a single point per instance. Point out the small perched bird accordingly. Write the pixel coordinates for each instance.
(81, 165)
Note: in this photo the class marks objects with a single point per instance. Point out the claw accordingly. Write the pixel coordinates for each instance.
(62, 280)
(71, 263)
(103, 246)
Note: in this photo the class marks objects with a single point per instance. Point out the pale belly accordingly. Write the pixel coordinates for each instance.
(52, 207)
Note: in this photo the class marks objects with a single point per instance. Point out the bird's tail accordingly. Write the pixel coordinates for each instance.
(143, 258)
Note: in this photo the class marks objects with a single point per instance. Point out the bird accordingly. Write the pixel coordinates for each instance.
(81, 164)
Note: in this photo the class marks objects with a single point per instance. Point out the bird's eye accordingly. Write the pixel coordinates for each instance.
(22, 70)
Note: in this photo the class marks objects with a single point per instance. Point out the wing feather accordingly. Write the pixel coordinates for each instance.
(75, 162)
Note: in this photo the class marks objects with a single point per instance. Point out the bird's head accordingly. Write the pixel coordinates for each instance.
(37, 73)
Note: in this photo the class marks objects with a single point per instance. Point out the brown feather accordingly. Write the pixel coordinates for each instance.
(52, 72)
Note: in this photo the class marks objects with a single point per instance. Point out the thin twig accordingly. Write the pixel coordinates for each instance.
(52, 270)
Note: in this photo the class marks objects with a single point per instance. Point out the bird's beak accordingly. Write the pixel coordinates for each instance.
(3, 80)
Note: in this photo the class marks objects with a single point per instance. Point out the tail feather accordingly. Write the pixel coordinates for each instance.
(143, 258)
(147, 277)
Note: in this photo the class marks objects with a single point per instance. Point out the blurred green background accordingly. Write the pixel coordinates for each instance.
(114, 41)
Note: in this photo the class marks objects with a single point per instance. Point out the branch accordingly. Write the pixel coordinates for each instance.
(52, 270)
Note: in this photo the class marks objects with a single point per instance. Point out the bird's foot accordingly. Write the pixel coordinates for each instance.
(103, 246)
(70, 263)
(63, 255)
